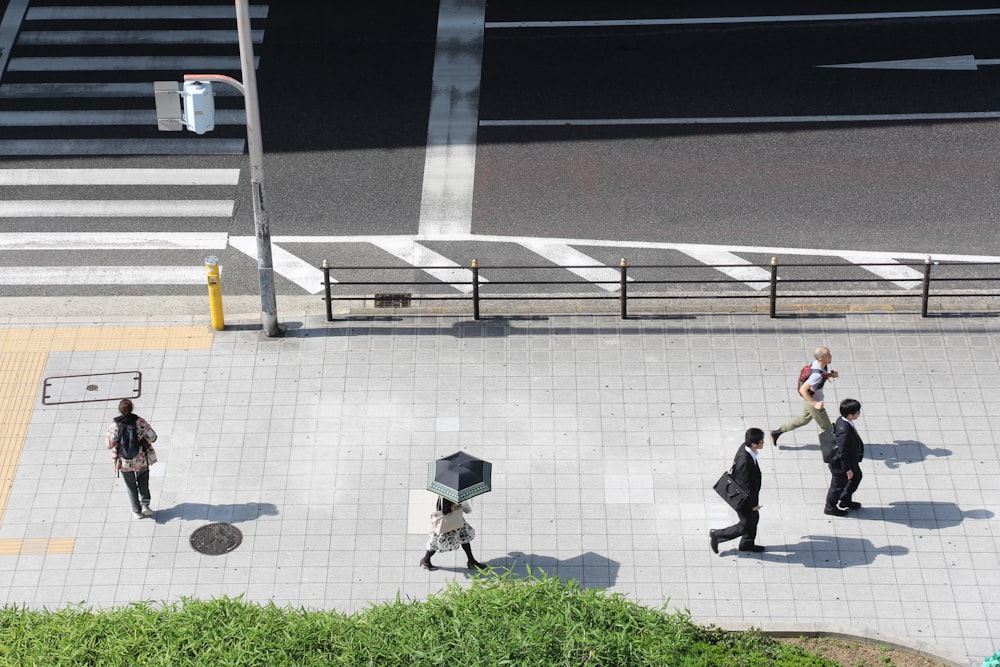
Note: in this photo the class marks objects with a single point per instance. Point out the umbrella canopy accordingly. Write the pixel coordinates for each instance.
(459, 477)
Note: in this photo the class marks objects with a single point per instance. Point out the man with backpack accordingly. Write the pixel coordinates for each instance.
(810, 386)
(130, 438)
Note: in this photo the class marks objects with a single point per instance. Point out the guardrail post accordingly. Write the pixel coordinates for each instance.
(925, 296)
(774, 288)
(475, 289)
(326, 290)
(624, 287)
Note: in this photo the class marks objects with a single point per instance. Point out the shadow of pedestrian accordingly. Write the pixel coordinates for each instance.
(923, 514)
(216, 513)
(903, 451)
(823, 551)
(590, 570)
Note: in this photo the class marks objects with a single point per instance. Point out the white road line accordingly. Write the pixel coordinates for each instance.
(93, 89)
(421, 257)
(778, 251)
(9, 27)
(138, 12)
(114, 241)
(450, 159)
(902, 276)
(102, 275)
(723, 20)
(742, 120)
(115, 208)
(119, 176)
(187, 37)
(285, 264)
(165, 146)
(102, 117)
(749, 275)
(133, 63)
(561, 254)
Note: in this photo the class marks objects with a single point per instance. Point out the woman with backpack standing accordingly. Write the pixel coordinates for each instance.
(130, 437)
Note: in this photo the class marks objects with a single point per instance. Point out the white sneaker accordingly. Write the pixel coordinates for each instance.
(146, 511)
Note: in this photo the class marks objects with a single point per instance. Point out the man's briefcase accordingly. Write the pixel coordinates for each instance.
(730, 491)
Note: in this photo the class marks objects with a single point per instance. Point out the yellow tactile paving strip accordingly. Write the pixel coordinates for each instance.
(37, 546)
(23, 355)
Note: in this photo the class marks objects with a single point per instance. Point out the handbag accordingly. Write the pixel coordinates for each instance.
(150, 456)
(828, 446)
(442, 523)
(730, 491)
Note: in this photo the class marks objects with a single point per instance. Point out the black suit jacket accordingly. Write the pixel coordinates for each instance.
(747, 475)
(852, 449)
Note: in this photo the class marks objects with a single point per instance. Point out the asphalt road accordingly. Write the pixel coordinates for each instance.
(902, 184)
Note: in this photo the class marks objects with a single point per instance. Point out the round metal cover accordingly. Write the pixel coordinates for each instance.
(215, 539)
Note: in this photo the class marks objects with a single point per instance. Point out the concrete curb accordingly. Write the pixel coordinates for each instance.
(245, 307)
(860, 635)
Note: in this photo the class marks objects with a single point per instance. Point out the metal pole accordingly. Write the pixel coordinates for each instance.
(265, 267)
(623, 287)
(326, 291)
(774, 289)
(926, 292)
(475, 289)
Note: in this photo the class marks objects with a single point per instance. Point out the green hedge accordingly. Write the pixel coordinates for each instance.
(498, 620)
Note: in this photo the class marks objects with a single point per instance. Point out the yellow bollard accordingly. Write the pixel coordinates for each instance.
(214, 292)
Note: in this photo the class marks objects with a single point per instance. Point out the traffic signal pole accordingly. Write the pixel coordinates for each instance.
(262, 229)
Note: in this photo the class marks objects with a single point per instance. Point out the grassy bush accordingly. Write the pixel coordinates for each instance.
(499, 620)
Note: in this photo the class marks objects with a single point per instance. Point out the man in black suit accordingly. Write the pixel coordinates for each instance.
(746, 473)
(846, 469)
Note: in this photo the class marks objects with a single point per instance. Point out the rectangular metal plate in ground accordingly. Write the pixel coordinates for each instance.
(392, 300)
(92, 388)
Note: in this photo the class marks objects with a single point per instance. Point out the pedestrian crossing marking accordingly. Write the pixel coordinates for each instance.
(102, 275)
(903, 276)
(284, 263)
(117, 208)
(73, 37)
(753, 276)
(113, 241)
(141, 13)
(119, 176)
(422, 257)
(562, 254)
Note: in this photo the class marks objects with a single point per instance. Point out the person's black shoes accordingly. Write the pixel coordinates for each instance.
(842, 507)
(775, 434)
(754, 548)
(713, 541)
(476, 565)
(426, 564)
(835, 512)
(850, 505)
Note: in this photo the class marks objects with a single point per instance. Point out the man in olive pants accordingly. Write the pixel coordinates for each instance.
(812, 394)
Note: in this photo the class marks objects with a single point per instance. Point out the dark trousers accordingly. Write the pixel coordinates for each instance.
(746, 528)
(137, 484)
(842, 489)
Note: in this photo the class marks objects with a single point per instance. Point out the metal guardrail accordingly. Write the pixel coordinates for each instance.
(627, 282)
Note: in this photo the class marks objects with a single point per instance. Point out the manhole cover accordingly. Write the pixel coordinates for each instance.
(216, 539)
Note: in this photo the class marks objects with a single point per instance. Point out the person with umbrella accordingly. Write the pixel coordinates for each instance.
(452, 539)
(455, 479)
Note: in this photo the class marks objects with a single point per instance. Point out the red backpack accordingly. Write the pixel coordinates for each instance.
(804, 374)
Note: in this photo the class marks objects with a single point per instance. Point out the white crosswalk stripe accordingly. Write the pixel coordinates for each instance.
(51, 64)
